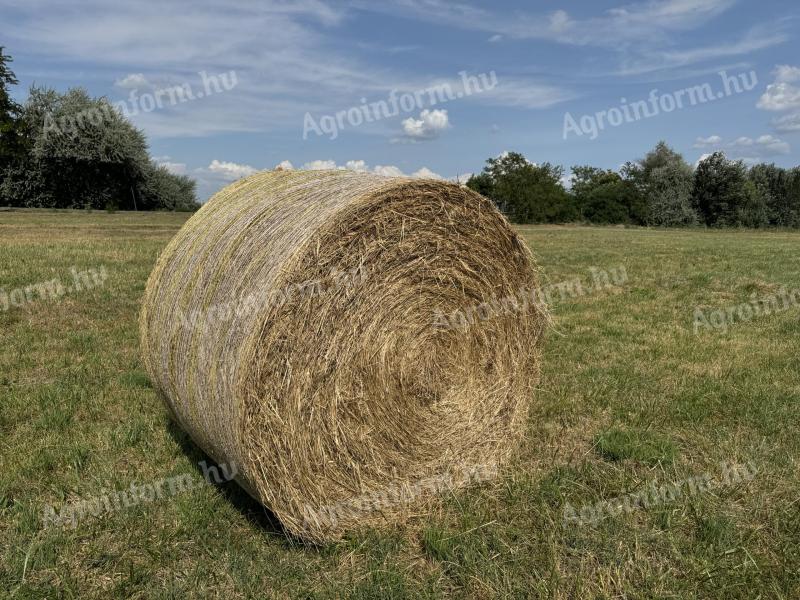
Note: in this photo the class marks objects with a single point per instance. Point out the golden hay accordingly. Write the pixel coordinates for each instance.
(291, 328)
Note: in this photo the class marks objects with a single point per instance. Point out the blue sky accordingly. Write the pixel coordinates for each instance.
(288, 62)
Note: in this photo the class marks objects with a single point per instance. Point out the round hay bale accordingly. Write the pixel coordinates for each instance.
(351, 344)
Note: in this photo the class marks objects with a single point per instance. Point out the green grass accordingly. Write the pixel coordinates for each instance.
(630, 397)
(619, 444)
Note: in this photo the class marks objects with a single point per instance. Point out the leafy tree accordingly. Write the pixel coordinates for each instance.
(12, 140)
(665, 180)
(167, 190)
(481, 183)
(660, 156)
(719, 194)
(793, 195)
(85, 154)
(603, 196)
(525, 192)
(753, 210)
(669, 192)
(773, 184)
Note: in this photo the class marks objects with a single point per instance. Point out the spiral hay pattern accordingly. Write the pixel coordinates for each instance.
(321, 398)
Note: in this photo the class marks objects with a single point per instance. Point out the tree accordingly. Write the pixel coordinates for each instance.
(752, 211)
(773, 184)
(793, 195)
(603, 196)
(481, 183)
(660, 156)
(525, 192)
(12, 140)
(719, 194)
(167, 190)
(669, 191)
(665, 180)
(85, 154)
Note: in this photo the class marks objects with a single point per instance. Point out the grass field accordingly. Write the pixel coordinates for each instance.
(630, 397)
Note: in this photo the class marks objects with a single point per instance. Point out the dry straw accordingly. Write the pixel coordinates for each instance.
(332, 396)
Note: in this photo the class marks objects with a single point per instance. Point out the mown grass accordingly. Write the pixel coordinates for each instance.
(630, 397)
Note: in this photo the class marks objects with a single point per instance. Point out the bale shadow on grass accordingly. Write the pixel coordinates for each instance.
(252, 510)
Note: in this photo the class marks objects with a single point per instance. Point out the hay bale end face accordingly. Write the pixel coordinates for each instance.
(294, 327)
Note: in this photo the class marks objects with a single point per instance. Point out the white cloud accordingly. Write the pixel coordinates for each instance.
(749, 149)
(643, 32)
(133, 81)
(230, 171)
(782, 95)
(560, 21)
(771, 145)
(218, 174)
(319, 165)
(523, 93)
(173, 167)
(503, 90)
(282, 54)
(765, 145)
(286, 57)
(387, 171)
(429, 125)
(360, 166)
(712, 140)
(495, 38)
(640, 21)
(648, 60)
(426, 173)
(787, 73)
(788, 123)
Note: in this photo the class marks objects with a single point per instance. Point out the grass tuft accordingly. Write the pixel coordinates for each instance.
(642, 446)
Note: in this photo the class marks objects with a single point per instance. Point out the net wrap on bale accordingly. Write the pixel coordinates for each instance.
(335, 335)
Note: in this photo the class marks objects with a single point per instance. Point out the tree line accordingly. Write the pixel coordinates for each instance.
(73, 151)
(661, 189)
